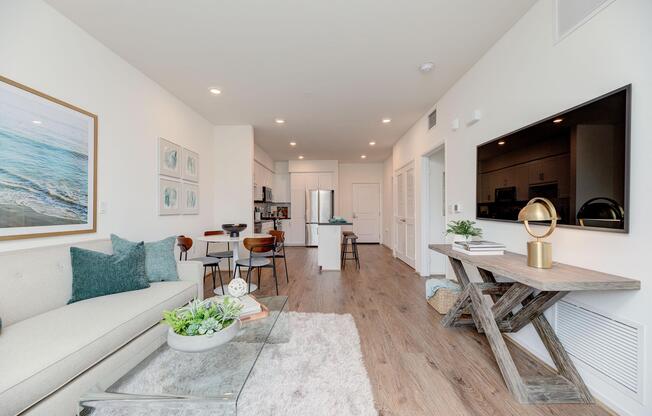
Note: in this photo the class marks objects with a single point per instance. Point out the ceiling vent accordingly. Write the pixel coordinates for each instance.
(432, 119)
(571, 14)
(607, 344)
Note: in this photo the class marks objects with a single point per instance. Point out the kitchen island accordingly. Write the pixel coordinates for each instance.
(329, 246)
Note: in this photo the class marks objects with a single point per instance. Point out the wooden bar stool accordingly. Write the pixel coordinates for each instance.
(350, 237)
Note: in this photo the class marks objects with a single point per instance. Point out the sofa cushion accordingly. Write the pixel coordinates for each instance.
(160, 264)
(42, 353)
(98, 274)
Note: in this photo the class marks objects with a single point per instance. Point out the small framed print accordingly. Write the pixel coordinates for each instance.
(169, 197)
(190, 199)
(190, 166)
(169, 158)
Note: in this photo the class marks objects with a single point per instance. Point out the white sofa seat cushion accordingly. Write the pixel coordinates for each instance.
(41, 354)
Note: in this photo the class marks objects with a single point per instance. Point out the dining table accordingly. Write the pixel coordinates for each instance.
(237, 246)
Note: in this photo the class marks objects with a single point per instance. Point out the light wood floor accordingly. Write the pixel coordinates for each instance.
(416, 366)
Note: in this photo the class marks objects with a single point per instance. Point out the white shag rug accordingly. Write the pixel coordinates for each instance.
(318, 372)
(314, 369)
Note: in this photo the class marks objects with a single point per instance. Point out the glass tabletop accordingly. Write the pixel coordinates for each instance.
(169, 382)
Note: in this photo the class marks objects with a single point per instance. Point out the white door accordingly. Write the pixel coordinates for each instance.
(366, 212)
(405, 211)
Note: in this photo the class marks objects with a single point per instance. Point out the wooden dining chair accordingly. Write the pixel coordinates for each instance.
(185, 244)
(257, 246)
(279, 251)
(228, 255)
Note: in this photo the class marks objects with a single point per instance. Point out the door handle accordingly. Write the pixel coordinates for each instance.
(354, 216)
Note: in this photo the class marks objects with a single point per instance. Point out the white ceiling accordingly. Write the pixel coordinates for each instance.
(331, 68)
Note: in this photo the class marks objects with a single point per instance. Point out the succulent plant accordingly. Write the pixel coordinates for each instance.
(203, 317)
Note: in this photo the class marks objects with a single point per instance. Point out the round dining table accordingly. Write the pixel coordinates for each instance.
(226, 238)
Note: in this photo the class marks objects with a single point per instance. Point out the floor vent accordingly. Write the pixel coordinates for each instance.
(571, 14)
(605, 343)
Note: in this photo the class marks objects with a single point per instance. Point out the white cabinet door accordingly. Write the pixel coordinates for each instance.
(325, 180)
(366, 212)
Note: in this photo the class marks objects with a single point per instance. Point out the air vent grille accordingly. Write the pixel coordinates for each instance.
(608, 345)
(432, 119)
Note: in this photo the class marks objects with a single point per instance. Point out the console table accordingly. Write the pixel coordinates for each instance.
(535, 290)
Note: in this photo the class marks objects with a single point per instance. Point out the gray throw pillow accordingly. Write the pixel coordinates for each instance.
(98, 274)
(160, 264)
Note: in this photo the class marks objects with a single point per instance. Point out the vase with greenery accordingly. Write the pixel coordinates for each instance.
(465, 229)
(202, 325)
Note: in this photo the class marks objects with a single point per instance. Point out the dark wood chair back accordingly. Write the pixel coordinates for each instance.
(215, 232)
(260, 244)
(280, 235)
(185, 244)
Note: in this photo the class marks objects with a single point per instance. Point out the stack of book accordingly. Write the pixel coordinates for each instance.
(479, 248)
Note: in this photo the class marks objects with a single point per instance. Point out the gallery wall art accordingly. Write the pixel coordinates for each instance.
(178, 170)
(48, 165)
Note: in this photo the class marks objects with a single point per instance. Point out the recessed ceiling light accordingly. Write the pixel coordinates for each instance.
(215, 91)
(387, 120)
(37, 122)
(372, 143)
(279, 121)
(426, 67)
(293, 143)
(557, 120)
(502, 142)
(301, 157)
(363, 157)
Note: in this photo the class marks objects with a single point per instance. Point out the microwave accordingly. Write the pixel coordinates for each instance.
(267, 194)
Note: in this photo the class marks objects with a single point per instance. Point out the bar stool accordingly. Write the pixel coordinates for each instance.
(219, 254)
(185, 244)
(349, 236)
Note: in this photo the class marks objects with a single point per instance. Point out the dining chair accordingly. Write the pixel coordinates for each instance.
(228, 255)
(257, 246)
(185, 244)
(279, 251)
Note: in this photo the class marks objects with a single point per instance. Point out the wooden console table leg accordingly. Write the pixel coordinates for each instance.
(464, 281)
(503, 358)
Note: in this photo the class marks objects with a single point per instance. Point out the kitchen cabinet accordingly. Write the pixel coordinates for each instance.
(262, 177)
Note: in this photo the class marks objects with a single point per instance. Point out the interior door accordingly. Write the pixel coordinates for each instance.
(405, 247)
(366, 212)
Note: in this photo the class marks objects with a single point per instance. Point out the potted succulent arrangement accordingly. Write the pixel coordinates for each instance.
(203, 325)
(463, 230)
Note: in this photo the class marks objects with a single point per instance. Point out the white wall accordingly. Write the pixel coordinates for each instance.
(526, 77)
(261, 156)
(234, 196)
(388, 204)
(42, 49)
(351, 173)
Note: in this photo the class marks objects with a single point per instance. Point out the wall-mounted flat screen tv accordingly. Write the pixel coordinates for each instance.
(578, 159)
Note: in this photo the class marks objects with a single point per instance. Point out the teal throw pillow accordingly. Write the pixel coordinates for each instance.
(97, 274)
(160, 264)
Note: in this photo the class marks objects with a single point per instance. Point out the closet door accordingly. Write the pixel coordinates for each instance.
(405, 246)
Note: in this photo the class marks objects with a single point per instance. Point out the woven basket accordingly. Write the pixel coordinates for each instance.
(443, 300)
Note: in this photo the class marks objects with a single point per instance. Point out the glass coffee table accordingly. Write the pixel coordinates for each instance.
(168, 382)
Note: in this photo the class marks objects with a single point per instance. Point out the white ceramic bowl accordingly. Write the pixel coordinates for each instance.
(200, 343)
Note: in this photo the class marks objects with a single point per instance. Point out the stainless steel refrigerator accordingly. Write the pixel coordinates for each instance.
(320, 205)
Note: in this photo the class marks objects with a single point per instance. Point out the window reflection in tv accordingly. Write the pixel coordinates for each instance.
(578, 159)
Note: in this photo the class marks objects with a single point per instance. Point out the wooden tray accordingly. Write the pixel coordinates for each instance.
(264, 313)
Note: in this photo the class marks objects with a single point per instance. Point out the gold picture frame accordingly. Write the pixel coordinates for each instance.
(49, 177)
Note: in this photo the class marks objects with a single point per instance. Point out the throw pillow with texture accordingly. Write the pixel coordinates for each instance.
(98, 274)
(160, 264)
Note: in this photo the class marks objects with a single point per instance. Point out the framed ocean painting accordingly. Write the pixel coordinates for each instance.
(169, 158)
(169, 197)
(190, 166)
(190, 199)
(48, 165)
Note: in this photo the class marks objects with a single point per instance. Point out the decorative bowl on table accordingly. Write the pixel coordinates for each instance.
(234, 229)
(203, 325)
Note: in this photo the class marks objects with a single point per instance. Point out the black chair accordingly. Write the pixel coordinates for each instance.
(185, 244)
(350, 237)
(258, 250)
(279, 251)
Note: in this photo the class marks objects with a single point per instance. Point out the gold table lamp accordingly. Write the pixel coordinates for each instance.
(539, 253)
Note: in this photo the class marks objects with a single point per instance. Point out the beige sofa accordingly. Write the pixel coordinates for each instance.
(50, 352)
